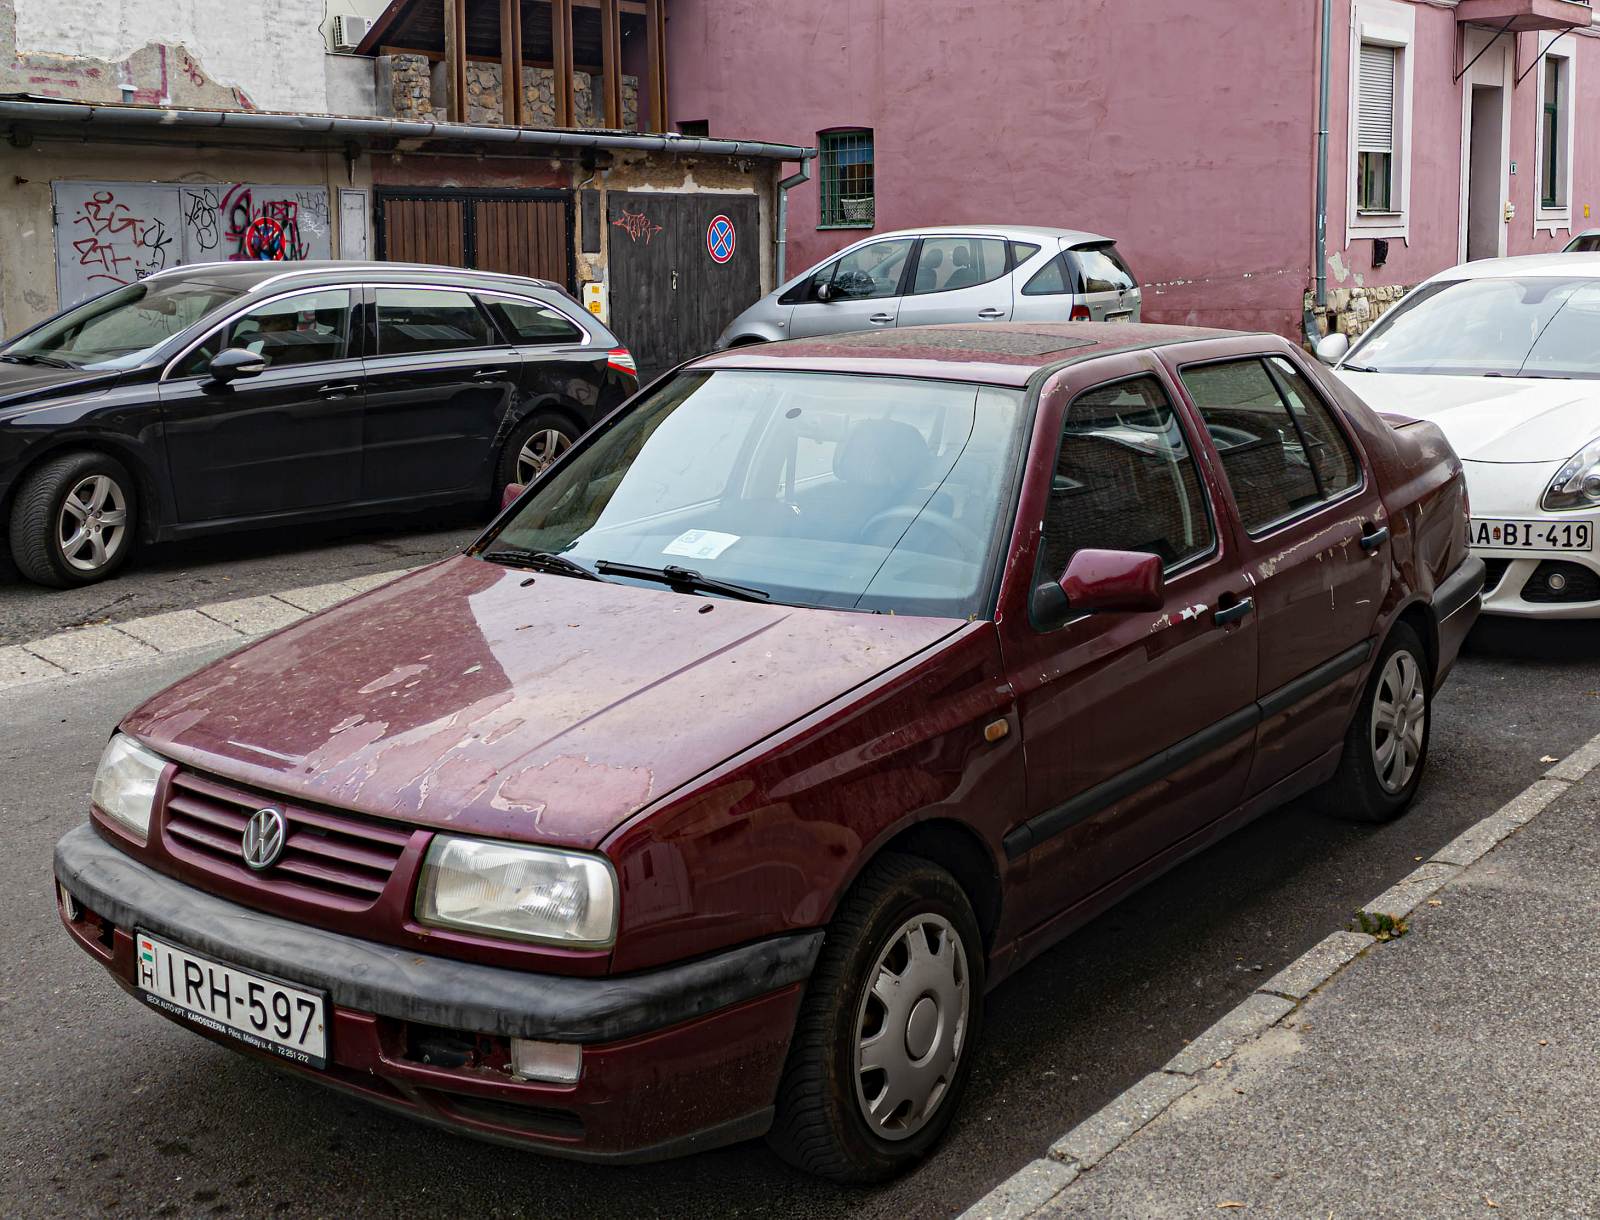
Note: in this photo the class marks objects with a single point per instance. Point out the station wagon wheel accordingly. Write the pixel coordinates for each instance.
(533, 445)
(74, 520)
(1386, 747)
(882, 1046)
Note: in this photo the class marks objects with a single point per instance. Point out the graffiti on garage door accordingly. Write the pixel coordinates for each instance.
(111, 233)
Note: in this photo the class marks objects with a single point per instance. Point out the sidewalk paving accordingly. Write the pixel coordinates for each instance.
(1451, 1071)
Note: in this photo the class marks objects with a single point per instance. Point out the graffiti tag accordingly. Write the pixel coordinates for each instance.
(637, 225)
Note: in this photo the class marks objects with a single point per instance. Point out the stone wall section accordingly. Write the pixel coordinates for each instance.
(418, 90)
(1352, 311)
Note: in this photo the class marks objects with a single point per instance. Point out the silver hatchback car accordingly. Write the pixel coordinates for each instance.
(955, 273)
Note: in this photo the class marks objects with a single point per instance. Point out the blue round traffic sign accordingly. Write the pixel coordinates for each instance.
(720, 239)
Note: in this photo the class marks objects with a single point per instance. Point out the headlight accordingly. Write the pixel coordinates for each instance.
(1577, 484)
(125, 784)
(525, 893)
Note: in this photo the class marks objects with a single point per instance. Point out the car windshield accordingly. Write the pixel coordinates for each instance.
(1533, 327)
(863, 492)
(121, 329)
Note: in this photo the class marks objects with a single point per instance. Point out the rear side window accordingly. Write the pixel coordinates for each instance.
(948, 263)
(532, 322)
(1054, 279)
(1022, 251)
(423, 320)
(1125, 480)
(1279, 462)
(1102, 269)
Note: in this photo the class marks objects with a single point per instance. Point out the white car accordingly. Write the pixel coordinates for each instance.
(1504, 356)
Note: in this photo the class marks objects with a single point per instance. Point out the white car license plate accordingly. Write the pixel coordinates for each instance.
(266, 1014)
(1120, 316)
(1492, 535)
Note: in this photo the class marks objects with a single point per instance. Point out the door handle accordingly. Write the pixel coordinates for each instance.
(487, 374)
(1374, 538)
(991, 313)
(881, 319)
(1223, 615)
(338, 391)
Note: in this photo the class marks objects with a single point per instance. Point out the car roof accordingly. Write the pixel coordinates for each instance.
(1076, 237)
(994, 353)
(252, 274)
(1577, 265)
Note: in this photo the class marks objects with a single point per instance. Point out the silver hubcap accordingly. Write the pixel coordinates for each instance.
(1399, 719)
(541, 449)
(911, 1027)
(93, 524)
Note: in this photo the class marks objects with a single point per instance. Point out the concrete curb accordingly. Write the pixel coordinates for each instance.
(88, 649)
(1034, 1187)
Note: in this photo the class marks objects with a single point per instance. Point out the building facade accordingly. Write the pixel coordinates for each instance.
(1187, 132)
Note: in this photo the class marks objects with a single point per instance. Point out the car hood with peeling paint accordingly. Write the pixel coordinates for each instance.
(472, 698)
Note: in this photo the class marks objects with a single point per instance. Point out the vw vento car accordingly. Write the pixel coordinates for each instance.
(1504, 356)
(957, 273)
(816, 691)
(225, 395)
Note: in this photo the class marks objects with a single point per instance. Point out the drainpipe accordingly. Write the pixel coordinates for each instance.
(803, 174)
(1313, 331)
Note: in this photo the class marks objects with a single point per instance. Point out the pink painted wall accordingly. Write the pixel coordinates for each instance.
(1182, 130)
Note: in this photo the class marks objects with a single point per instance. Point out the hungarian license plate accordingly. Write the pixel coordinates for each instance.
(1492, 535)
(260, 1011)
(1120, 316)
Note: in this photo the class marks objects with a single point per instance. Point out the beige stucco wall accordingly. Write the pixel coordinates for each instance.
(28, 230)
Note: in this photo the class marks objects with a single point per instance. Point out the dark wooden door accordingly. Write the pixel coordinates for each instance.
(670, 294)
(516, 232)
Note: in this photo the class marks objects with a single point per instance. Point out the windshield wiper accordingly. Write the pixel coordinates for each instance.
(684, 579)
(543, 561)
(1358, 368)
(31, 358)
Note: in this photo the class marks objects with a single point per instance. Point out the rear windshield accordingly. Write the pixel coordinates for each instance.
(1102, 269)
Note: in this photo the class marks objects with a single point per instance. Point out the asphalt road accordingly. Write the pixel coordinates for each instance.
(110, 1109)
(175, 576)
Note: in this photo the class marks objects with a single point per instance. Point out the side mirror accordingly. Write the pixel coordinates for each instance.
(236, 362)
(1331, 348)
(508, 496)
(1105, 581)
(823, 292)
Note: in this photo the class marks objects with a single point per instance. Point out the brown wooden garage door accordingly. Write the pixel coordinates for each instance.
(520, 233)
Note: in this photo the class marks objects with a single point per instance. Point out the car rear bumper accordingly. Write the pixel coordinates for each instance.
(675, 1060)
(1456, 604)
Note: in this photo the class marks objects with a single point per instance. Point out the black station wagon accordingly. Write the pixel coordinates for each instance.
(225, 395)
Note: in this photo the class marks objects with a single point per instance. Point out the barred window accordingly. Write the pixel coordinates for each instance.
(846, 179)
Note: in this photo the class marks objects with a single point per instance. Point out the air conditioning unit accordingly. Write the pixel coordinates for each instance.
(349, 30)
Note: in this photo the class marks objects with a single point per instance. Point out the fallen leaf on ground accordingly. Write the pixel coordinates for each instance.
(1548, 758)
(1434, 902)
(1229, 1203)
(1490, 1201)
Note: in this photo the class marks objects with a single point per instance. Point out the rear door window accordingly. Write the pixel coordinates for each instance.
(1280, 462)
(948, 263)
(1125, 480)
(1102, 269)
(414, 320)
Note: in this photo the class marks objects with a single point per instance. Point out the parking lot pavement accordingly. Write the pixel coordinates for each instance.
(113, 1110)
(178, 576)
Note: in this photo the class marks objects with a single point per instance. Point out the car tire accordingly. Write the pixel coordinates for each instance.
(533, 444)
(823, 1121)
(74, 520)
(1395, 717)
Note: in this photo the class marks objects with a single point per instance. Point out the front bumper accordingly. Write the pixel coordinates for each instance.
(674, 1060)
(1518, 582)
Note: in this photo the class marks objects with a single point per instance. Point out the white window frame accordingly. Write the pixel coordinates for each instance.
(1553, 220)
(1385, 23)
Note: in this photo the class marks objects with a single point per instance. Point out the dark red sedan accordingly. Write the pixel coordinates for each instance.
(814, 692)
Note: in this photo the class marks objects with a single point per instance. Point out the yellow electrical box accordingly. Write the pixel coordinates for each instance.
(594, 298)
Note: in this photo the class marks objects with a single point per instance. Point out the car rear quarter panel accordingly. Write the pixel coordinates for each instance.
(770, 841)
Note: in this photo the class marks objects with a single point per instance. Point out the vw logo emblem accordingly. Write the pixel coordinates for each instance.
(263, 838)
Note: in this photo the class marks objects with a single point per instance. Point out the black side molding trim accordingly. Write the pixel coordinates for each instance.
(1024, 838)
(1459, 588)
(1313, 680)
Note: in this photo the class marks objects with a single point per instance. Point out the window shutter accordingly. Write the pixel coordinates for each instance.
(1376, 102)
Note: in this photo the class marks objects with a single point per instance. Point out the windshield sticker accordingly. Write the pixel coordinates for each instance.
(700, 544)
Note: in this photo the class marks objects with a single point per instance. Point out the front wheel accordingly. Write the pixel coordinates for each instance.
(1386, 748)
(73, 520)
(883, 1045)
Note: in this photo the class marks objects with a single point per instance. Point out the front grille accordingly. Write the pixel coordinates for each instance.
(1494, 571)
(330, 858)
(1581, 584)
